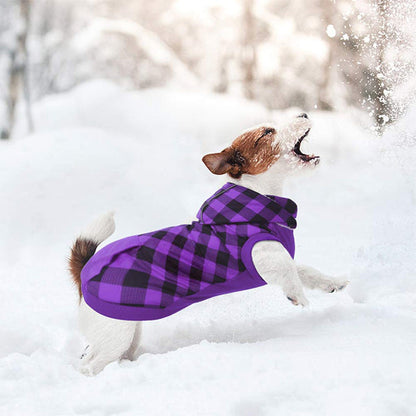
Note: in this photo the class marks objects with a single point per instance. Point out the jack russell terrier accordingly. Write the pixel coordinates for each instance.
(242, 239)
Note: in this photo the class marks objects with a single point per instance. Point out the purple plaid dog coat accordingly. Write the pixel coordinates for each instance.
(154, 275)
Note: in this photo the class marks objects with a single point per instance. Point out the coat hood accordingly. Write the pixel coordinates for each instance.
(236, 204)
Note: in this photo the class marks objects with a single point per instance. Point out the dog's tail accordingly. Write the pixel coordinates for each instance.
(86, 244)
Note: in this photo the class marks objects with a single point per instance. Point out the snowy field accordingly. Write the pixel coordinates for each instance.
(247, 354)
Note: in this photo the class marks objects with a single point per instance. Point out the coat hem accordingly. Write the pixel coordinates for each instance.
(247, 249)
(242, 281)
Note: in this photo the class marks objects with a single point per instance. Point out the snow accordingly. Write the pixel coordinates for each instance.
(99, 148)
(331, 31)
(153, 46)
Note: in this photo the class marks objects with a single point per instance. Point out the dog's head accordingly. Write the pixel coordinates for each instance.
(261, 148)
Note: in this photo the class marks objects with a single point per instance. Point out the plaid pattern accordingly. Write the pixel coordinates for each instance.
(157, 270)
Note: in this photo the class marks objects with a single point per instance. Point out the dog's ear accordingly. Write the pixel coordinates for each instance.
(218, 163)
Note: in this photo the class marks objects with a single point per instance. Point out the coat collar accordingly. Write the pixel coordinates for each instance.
(236, 204)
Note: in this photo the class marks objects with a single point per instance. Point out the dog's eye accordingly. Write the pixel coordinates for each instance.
(265, 133)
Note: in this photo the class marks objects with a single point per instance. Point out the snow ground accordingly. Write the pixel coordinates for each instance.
(251, 353)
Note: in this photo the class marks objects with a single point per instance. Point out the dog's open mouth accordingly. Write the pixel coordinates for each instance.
(306, 158)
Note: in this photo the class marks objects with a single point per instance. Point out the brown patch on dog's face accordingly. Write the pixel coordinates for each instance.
(252, 152)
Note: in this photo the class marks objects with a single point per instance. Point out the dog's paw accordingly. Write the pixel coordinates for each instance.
(336, 286)
(86, 370)
(84, 366)
(90, 368)
(86, 353)
(298, 300)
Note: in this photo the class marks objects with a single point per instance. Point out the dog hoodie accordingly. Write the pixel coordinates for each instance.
(153, 275)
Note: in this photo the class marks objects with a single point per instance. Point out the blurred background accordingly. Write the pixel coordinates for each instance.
(111, 104)
(317, 54)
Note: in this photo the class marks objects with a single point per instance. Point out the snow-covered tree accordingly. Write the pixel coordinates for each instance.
(322, 54)
(376, 59)
(16, 65)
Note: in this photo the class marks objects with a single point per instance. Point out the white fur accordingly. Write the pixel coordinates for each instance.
(108, 339)
(275, 266)
(112, 339)
(100, 229)
(314, 279)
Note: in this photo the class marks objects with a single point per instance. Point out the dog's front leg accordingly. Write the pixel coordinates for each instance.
(314, 279)
(275, 266)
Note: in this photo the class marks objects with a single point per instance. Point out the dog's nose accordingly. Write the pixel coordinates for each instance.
(303, 115)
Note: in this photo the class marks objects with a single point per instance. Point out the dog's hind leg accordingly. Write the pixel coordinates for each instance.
(314, 279)
(108, 339)
(134, 350)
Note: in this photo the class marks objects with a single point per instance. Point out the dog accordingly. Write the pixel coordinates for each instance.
(249, 224)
